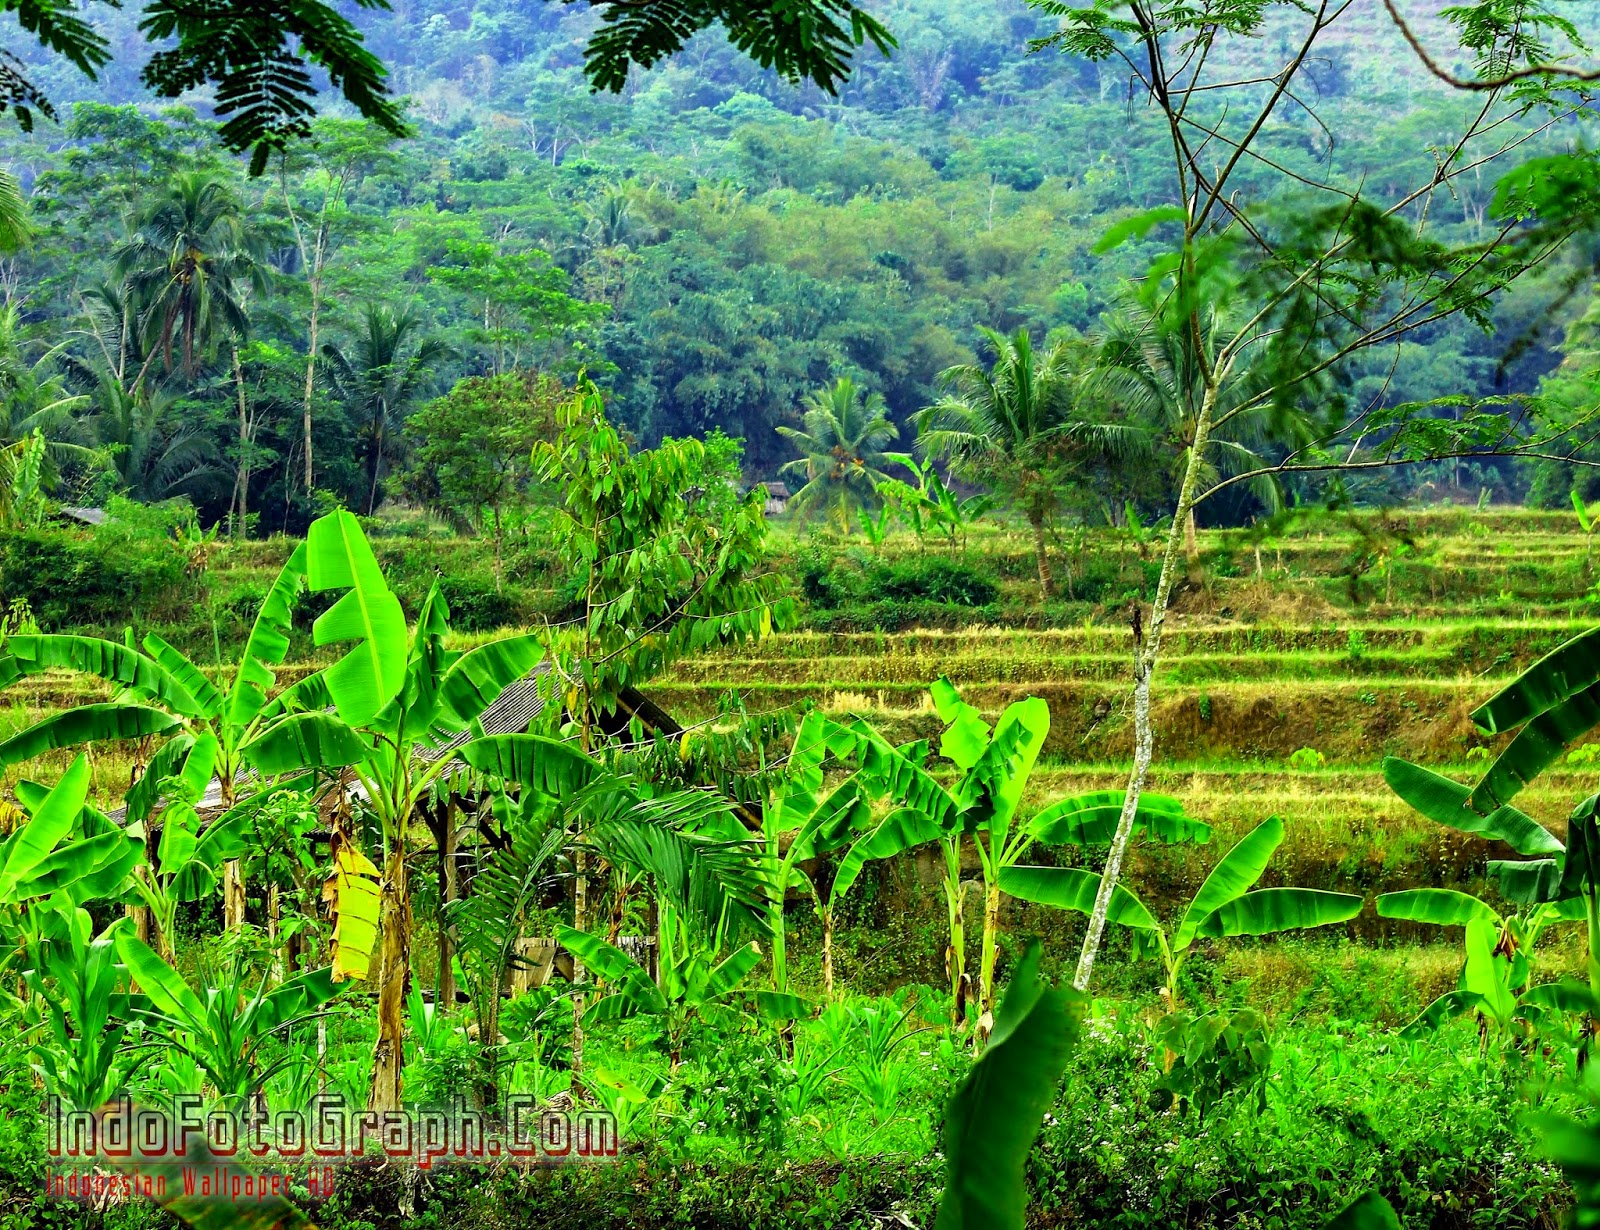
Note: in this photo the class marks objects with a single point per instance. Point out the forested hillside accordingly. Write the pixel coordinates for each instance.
(712, 243)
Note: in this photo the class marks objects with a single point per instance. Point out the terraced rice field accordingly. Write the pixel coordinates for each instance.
(1307, 654)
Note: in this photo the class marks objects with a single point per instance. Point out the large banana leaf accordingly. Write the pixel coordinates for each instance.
(899, 831)
(1239, 869)
(1368, 1211)
(86, 724)
(1575, 1146)
(86, 870)
(162, 984)
(293, 998)
(108, 660)
(143, 795)
(782, 1006)
(268, 643)
(1450, 803)
(1537, 745)
(995, 1116)
(1268, 911)
(724, 980)
(1532, 883)
(478, 676)
(308, 695)
(1561, 673)
(1580, 869)
(833, 823)
(1022, 730)
(305, 741)
(1485, 974)
(193, 679)
(1568, 995)
(31, 844)
(1072, 888)
(372, 671)
(1091, 820)
(890, 772)
(550, 766)
(966, 736)
(1443, 907)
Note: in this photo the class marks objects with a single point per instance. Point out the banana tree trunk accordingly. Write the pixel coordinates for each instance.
(1147, 648)
(991, 929)
(827, 952)
(233, 895)
(388, 1057)
(956, 955)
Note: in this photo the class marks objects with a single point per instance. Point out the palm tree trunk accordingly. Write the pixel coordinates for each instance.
(1191, 544)
(239, 526)
(1042, 553)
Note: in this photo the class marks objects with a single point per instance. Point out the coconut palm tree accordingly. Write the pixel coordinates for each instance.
(1156, 375)
(188, 266)
(845, 431)
(385, 371)
(1016, 427)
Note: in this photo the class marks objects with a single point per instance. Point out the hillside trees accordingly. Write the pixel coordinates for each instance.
(380, 375)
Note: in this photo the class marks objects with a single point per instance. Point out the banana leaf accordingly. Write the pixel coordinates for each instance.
(87, 724)
(1239, 869)
(1072, 888)
(1450, 803)
(367, 616)
(1268, 911)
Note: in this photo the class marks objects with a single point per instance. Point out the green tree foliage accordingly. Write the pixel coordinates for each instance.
(188, 266)
(472, 449)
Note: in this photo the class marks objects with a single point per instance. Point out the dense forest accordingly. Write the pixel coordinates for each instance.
(712, 245)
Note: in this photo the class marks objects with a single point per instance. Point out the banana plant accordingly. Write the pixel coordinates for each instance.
(1497, 971)
(63, 847)
(803, 820)
(225, 1030)
(993, 767)
(1224, 906)
(191, 856)
(392, 706)
(1559, 879)
(76, 975)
